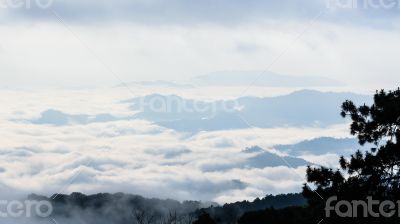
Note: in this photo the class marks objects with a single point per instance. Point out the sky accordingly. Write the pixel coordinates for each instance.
(60, 43)
(80, 57)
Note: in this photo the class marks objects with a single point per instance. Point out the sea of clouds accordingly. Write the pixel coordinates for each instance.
(137, 156)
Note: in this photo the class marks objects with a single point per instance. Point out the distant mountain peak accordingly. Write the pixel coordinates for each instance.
(253, 149)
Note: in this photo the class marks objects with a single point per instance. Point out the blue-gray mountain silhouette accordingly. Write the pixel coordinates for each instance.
(259, 158)
(59, 118)
(322, 145)
(306, 108)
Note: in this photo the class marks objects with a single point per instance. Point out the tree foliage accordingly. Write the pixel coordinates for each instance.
(374, 173)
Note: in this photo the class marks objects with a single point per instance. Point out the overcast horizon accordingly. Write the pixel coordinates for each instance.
(58, 43)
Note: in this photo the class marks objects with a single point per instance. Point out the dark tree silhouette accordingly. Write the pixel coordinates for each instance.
(289, 215)
(374, 173)
(204, 219)
(230, 213)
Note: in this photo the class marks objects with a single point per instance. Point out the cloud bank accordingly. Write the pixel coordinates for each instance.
(140, 157)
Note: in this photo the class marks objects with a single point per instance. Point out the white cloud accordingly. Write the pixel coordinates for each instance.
(132, 155)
